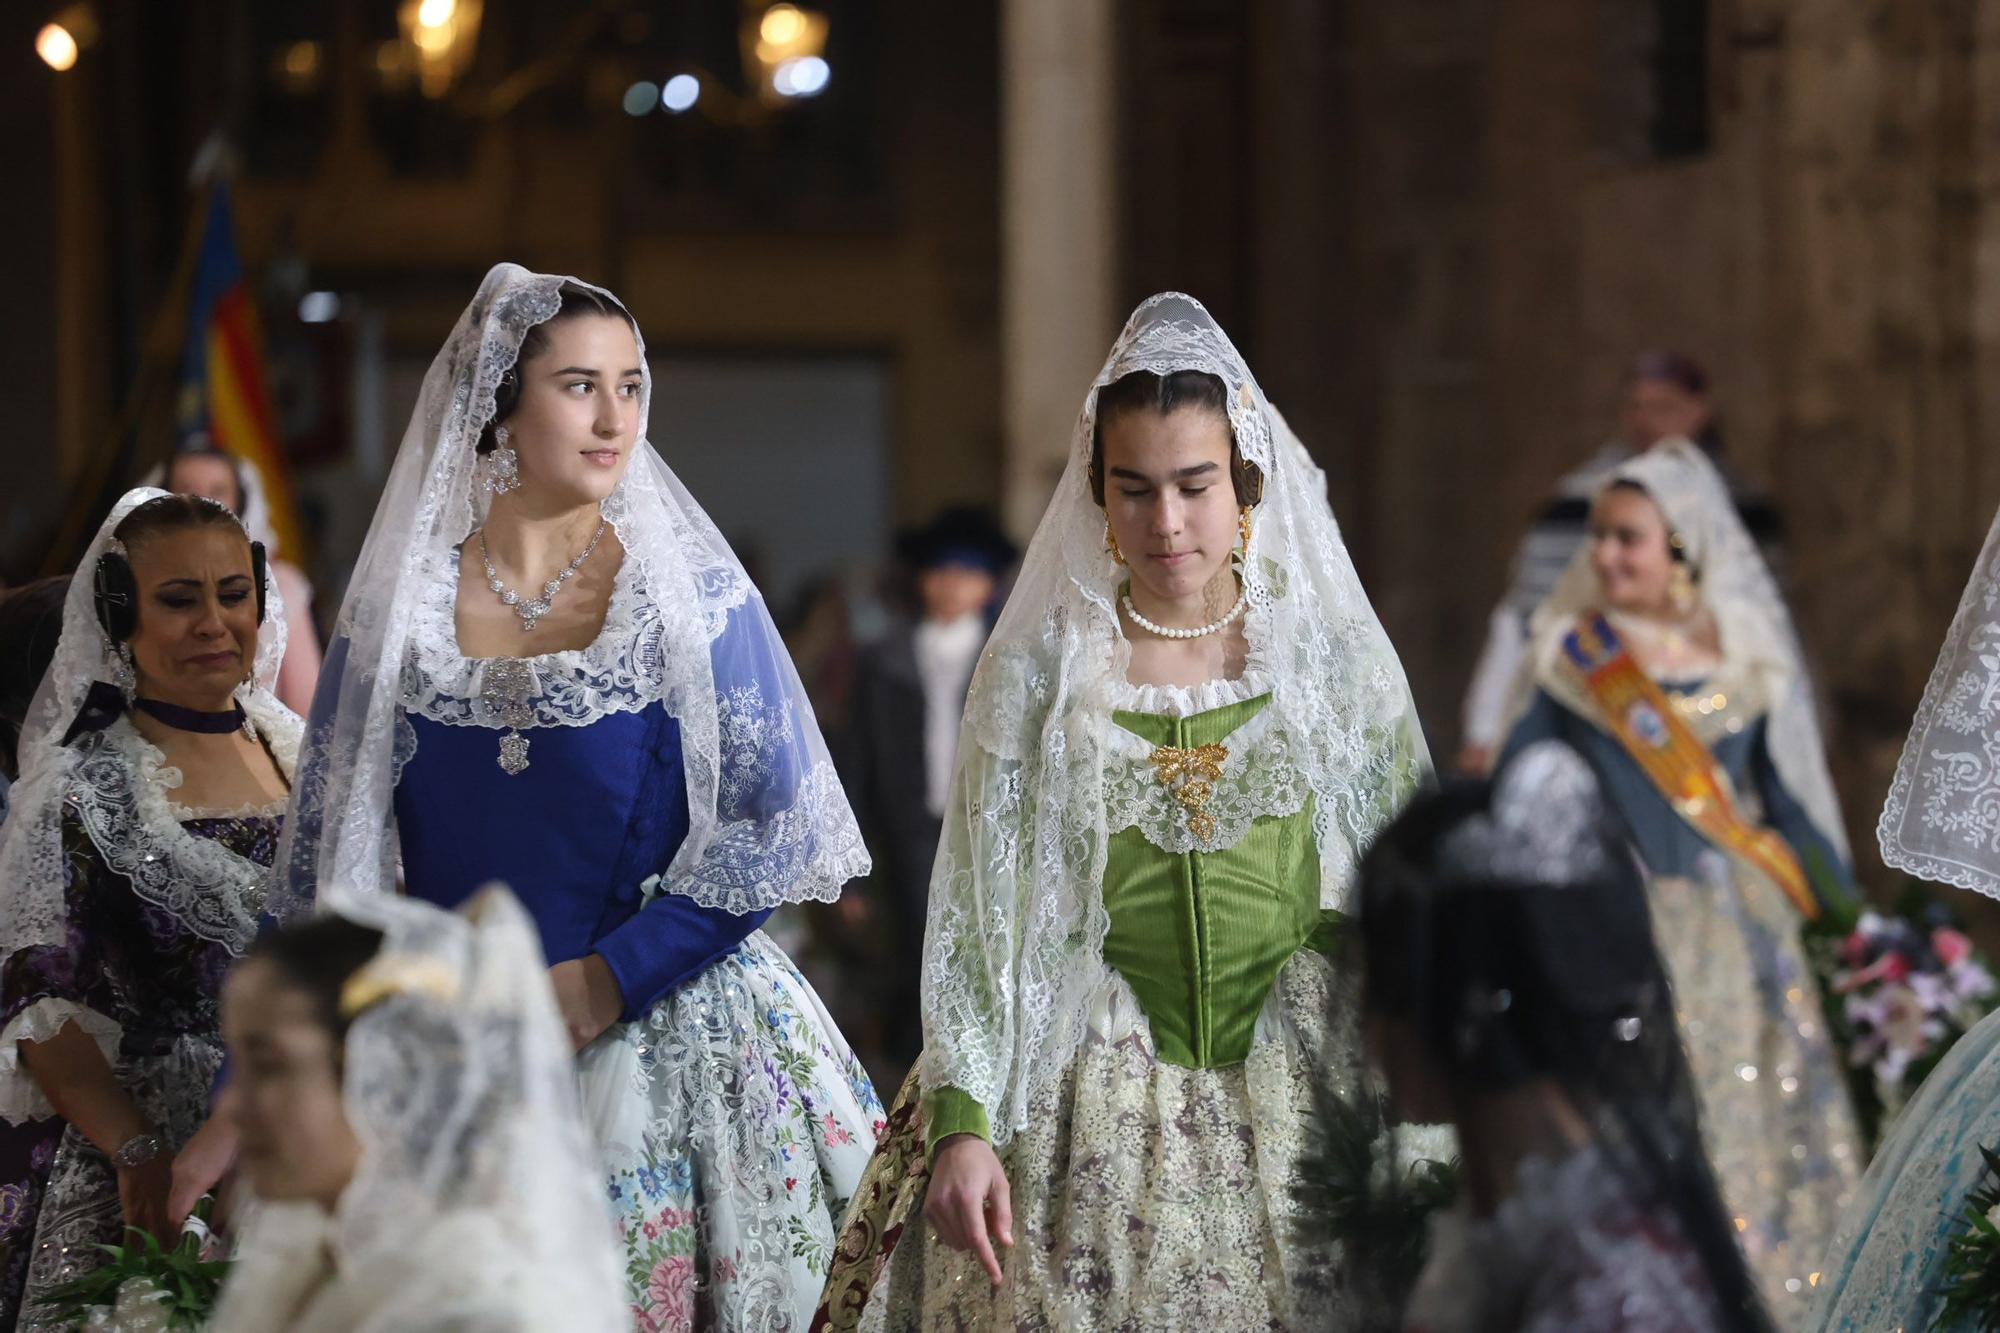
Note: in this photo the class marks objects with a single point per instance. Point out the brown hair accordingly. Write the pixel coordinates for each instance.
(317, 957)
(577, 300)
(175, 513)
(1142, 390)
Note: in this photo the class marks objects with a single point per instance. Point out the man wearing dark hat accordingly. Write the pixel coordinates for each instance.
(909, 696)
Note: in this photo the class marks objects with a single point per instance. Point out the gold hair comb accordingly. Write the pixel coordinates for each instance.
(394, 974)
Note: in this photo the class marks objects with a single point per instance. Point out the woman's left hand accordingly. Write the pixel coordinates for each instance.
(587, 994)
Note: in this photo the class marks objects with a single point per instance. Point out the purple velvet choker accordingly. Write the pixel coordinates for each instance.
(192, 719)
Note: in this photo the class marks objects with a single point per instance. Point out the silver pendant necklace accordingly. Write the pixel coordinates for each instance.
(533, 609)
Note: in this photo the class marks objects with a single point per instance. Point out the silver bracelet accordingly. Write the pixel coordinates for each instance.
(137, 1150)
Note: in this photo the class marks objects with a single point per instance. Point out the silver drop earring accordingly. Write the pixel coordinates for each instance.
(500, 470)
(124, 673)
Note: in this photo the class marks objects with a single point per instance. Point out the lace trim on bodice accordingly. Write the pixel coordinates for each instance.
(639, 658)
(1256, 774)
(1189, 700)
(120, 795)
(187, 814)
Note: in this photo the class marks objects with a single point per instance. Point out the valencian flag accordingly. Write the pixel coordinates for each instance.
(225, 399)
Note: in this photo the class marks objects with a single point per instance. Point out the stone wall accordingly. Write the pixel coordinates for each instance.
(1439, 231)
(1833, 259)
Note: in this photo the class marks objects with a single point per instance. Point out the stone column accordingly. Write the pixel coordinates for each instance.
(1058, 190)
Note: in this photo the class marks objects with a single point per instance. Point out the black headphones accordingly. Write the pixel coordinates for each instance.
(116, 592)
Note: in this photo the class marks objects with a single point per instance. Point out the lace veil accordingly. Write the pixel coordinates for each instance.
(1758, 640)
(1942, 818)
(769, 822)
(1017, 921)
(462, 1092)
(116, 784)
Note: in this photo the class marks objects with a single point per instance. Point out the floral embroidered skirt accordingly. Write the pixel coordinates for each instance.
(1146, 1195)
(1776, 1119)
(735, 1124)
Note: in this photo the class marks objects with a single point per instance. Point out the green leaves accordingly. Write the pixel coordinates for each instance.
(191, 1284)
(1354, 1194)
(1971, 1287)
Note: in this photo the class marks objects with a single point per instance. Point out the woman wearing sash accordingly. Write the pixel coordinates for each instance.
(1185, 728)
(1942, 823)
(1666, 658)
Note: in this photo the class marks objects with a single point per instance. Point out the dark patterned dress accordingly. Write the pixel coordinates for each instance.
(134, 976)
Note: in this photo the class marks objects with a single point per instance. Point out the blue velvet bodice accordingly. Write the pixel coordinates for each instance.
(580, 835)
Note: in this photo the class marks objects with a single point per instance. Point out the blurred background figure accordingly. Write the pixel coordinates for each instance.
(235, 484)
(1666, 658)
(382, 1205)
(902, 742)
(1665, 397)
(1512, 990)
(30, 625)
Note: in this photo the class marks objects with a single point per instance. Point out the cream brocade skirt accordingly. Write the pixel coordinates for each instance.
(1776, 1118)
(1154, 1196)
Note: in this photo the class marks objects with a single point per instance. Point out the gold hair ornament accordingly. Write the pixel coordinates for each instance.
(390, 975)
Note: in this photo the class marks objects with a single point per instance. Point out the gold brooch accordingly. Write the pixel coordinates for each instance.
(1192, 774)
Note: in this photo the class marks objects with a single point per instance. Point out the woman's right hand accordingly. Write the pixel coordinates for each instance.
(969, 1204)
(143, 1194)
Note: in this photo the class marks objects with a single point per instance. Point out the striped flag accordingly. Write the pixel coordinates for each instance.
(225, 398)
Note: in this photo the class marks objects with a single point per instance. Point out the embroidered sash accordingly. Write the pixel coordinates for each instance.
(1639, 716)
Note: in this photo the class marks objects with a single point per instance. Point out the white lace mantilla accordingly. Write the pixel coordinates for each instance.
(120, 792)
(1942, 818)
(1014, 947)
(684, 628)
(642, 656)
(1260, 774)
(800, 851)
(119, 788)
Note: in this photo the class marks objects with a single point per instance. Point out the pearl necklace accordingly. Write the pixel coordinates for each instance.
(1197, 632)
(533, 609)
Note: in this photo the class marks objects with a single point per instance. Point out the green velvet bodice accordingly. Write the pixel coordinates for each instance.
(1201, 937)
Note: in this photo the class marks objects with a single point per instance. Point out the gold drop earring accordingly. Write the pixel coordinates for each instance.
(1111, 542)
(1680, 589)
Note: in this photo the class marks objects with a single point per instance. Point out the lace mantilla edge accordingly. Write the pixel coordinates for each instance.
(119, 794)
(745, 863)
(1959, 772)
(640, 657)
